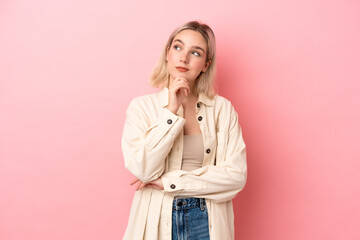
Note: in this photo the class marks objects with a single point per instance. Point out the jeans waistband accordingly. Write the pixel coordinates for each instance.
(187, 203)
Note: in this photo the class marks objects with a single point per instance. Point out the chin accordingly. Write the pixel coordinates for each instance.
(186, 76)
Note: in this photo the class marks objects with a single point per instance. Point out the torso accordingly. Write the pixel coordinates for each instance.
(192, 126)
(220, 214)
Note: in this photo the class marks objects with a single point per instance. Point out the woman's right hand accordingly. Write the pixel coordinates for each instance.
(178, 90)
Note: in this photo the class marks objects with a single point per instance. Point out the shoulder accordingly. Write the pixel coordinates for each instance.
(225, 113)
(221, 100)
(223, 105)
(146, 100)
(148, 104)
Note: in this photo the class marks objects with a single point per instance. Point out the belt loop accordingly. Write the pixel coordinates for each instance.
(202, 204)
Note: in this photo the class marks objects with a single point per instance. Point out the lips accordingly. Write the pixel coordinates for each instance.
(182, 69)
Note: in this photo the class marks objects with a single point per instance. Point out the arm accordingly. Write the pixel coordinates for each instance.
(146, 146)
(218, 183)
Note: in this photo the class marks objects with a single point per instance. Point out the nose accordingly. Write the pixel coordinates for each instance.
(184, 57)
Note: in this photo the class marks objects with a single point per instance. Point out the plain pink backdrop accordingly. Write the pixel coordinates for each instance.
(68, 70)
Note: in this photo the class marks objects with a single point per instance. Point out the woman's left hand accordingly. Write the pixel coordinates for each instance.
(156, 184)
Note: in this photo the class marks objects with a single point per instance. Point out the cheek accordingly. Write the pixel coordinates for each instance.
(199, 64)
(171, 62)
(171, 57)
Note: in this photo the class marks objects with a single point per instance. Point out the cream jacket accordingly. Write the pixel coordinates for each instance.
(152, 145)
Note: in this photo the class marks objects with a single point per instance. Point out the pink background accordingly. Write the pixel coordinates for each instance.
(68, 70)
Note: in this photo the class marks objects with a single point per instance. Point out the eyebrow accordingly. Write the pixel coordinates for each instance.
(196, 47)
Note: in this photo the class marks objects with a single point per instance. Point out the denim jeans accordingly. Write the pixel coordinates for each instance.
(190, 219)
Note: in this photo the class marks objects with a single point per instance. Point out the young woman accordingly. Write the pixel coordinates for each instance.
(184, 146)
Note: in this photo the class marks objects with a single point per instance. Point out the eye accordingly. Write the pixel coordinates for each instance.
(196, 53)
(176, 47)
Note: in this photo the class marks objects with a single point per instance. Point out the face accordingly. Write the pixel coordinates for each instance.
(186, 57)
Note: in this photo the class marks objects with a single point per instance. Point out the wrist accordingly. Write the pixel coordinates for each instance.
(173, 110)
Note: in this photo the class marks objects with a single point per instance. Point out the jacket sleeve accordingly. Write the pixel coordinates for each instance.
(145, 142)
(218, 183)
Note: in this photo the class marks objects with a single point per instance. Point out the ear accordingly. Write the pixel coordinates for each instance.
(206, 66)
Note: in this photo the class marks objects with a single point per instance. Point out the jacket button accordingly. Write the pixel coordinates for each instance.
(200, 118)
(172, 186)
(169, 121)
(208, 150)
(198, 105)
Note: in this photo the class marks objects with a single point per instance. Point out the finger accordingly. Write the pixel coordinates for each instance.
(180, 79)
(179, 82)
(134, 181)
(180, 91)
(180, 85)
(183, 81)
(138, 186)
(141, 186)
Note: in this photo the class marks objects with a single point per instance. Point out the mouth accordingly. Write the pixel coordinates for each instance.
(182, 69)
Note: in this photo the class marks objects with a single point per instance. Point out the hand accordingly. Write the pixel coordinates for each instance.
(156, 184)
(178, 90)
(140, 184)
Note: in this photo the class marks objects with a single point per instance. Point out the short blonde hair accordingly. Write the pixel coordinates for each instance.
(205, 81)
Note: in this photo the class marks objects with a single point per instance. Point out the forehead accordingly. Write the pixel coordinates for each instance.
(191, 38)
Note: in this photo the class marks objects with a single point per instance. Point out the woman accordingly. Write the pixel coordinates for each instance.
(185, 146)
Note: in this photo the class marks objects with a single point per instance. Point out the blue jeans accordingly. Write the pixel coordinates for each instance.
(190, 219)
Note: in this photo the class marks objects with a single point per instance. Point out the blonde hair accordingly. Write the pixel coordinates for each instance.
(205, 81)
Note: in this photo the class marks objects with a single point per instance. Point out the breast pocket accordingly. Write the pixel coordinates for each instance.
(222, 142)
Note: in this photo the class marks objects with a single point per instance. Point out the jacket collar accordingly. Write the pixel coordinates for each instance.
(164, 98)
